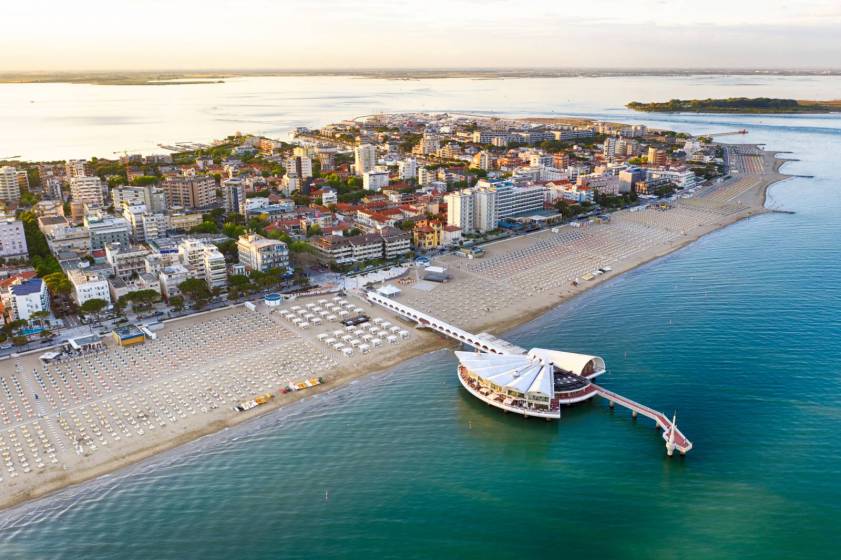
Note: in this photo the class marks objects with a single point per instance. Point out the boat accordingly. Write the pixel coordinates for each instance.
(254, 403)
(301, 385)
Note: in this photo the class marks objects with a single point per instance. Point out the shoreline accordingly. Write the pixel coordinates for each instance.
(533, 306)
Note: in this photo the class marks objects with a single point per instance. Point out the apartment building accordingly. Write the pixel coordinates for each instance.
(12, 238)
(261, 253)
(88, 285)
(198, 191)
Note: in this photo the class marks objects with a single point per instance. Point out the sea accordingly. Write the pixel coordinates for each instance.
(738, 334)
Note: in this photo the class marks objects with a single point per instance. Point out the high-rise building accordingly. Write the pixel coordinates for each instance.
(300, 164)
(77, 168)
(460, 209)
(12, 238)
(87, 190)
(485, 214)
(657, 157)
(429, 144)
(198, 191)
(9, 185)
(408, 169)
(233, 193)
(609, 148)
(327, 158)
(425, 176)
(262, 254)
(365, 158)
(204, 261)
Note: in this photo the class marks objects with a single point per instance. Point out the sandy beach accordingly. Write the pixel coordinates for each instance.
(98, 413)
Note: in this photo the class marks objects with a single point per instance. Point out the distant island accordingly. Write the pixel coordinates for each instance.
(196, 76)
(738, 105)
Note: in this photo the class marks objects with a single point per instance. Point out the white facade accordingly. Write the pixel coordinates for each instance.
(460, 209)
(485, 214)
(374, 180)
(204, 261)
(170, 277)
(12, 238)
(88, 285)
(425, 176)
(9, 186)
(25, 298)
(408, 168)
(260, 253)
(365, 158)
(86, 189)
(152, 197)
(233, 192)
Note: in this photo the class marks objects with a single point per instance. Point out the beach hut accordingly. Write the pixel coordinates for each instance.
(404, 334)
(347, 351)
(391, 339)
(364, 348)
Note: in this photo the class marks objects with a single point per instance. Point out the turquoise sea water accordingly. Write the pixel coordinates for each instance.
(738, 332)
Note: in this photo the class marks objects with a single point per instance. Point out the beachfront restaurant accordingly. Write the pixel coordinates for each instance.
(513, 382)
(128, 335)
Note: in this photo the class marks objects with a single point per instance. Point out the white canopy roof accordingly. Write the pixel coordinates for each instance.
(519, 372)
(574, 363)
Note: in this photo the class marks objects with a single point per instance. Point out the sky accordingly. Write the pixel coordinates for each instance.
(52, 35)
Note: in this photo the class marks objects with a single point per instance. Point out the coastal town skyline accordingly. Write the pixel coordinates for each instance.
(400, 279)
(329, 34)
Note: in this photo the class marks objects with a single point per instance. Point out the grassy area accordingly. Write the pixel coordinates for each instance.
(738, 105)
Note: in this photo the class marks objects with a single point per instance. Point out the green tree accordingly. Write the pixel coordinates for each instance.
(196, 290)
(177, 302)
(144, 181)
(93, 307)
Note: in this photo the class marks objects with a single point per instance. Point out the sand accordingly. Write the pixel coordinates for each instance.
(518, 280)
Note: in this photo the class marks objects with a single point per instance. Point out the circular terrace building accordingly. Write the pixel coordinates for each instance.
(536, 383)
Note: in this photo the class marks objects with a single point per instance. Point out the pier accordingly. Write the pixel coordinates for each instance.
(508, 366)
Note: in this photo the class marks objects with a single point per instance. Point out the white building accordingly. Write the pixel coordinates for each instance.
(87, 190)
(126, 261)
(170, 277)
(87, 285)
(152, 197)
(513, 200)
(205, 261)
(104, 229)
(460, 209)
(261, 253)
(25, 297)
(233, 193)
(683, 178)
(485, 212)
(329, 196)
(300, 164)
(12, 238)
(365, 158)
(77, 168)
(425, 176)
(408, 168)
(9, 185)
(374, 180)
